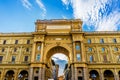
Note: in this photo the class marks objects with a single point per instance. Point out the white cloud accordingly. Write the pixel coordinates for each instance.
(26, 4)
(64, 17)
(91, 12)
(59, 56)
(41, 5)
(109, 23)
(66, 2)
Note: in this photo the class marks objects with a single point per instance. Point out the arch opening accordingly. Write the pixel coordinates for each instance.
(23, 75)
(94, 75)
(60, 59)
(108, 75)
(119, 74)
(9, 75)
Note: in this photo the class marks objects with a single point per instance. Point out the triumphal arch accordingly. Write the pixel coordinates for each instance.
(58, 36)
(91, 55)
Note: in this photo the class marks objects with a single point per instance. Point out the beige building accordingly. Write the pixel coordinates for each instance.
(91, 55)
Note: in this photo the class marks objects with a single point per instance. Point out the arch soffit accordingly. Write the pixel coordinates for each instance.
(97, 70)
(23, 70)
(10, 70)
(53, 46)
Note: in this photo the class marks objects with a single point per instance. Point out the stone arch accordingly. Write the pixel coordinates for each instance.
(108, 75)
(94, 75)
(0, 74)
(119, 74)
(57, 49)
(23, 75)
(66, 47)
(9, 75)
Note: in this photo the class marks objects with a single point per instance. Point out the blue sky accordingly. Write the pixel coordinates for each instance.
(97, 15)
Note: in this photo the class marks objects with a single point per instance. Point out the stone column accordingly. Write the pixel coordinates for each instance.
(101, 75)
(85, 73)
(31, 73)
(40, 74)
(76, 76)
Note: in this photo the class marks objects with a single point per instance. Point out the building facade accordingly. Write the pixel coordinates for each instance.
(91, 55)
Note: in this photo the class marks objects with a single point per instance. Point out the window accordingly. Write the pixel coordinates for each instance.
(38, 57)
(26, 58)
(105, 58)
(4, 42)
(3, 49)
(91, 58)
(118, 57)
(115, 49)
(103, 49)
(77, 47)
(1, 57)
(16, 41)
(15, 49)
(27, 49)
(38, 48)
(114, 40)
(28, 41)
(101, 41)
(89, 41)
(89, 49)
(78, 57)
(13, 58)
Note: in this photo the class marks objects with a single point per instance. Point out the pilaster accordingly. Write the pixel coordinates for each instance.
(40, 74)
(101, 75)
(76, 76)
(16, 74)
(31, 73)
(43, 73)
(85, 73)
(82, 52)
(2, 74)
(42, 55)
(33, 52)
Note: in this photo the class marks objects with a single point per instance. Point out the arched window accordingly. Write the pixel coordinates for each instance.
(91, 58)
(101, 40)
(105, 58)
(38, 57)
(77, 47)
(78, 57)
(115, 49)
(103, 49)
(89, 49)
(114, 40)
(118, 58)
(38, 48)
(89, 41)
